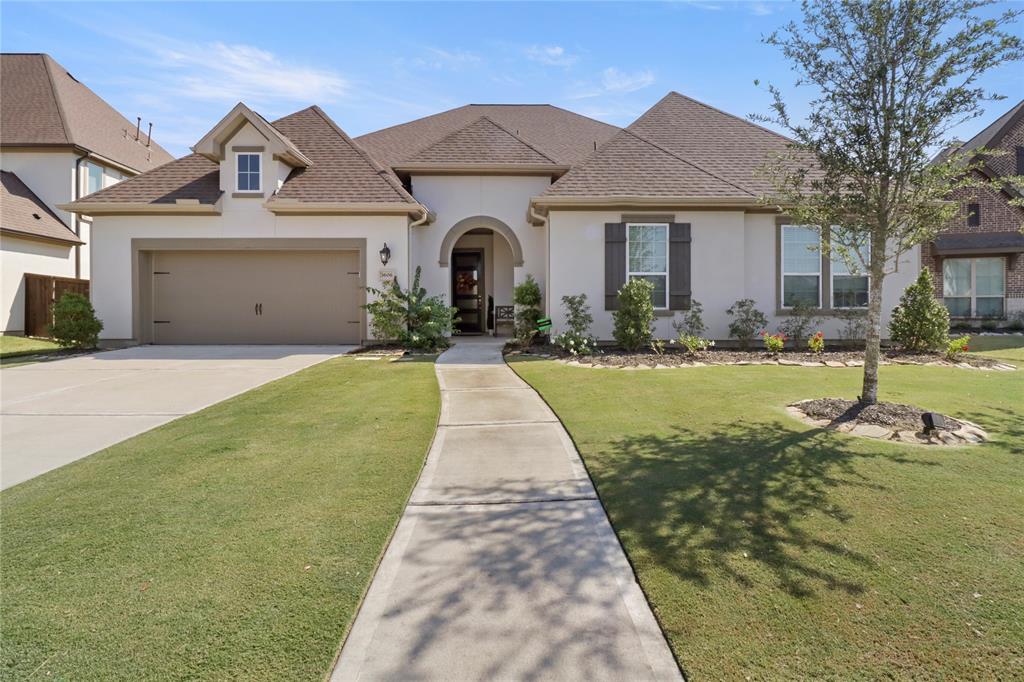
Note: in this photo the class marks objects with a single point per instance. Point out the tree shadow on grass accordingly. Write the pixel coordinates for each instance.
(735, 502)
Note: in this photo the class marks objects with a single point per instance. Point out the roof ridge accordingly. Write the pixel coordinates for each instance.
(1009, 115)
(381, 171)
(688, 162)
(515, 135)
(48, 63)
(719, 111)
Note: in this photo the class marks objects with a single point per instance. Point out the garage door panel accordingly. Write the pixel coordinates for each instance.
(256, 297)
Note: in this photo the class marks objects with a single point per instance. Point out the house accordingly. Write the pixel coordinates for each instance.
(58, 142)
(270, 231)
(976, 259)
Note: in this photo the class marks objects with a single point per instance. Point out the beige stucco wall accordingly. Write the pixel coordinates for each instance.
(506, 198)
(732, 257)
(18, 256)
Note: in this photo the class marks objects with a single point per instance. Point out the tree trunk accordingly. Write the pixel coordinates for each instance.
(873, 336)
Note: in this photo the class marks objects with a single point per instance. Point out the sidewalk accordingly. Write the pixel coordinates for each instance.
(504, 565)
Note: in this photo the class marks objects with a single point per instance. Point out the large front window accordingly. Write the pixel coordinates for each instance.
(647, 258)
(974, 287)
(801, 266)
(248, 172)
(849, 280)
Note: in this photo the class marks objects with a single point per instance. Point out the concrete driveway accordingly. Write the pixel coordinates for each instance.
(52, 413)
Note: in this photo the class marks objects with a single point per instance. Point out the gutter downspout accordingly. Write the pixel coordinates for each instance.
(75, 218)
(427, 217)
(543, 220)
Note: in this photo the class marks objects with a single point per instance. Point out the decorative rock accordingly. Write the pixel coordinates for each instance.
(910, 437)
(948, 438)
(968, 436)
(789, 363)
(661, 366)
(854, 363)
(846, 427)
(871, 431)
(808, 363)
(741, 362)
(834, 363)
(964, 365)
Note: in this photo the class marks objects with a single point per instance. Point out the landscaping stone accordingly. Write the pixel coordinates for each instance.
(834, 363)
(870, 431)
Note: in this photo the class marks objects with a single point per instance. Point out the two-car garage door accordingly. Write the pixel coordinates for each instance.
(256, 297)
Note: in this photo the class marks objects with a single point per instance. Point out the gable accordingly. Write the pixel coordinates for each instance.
(481, 142)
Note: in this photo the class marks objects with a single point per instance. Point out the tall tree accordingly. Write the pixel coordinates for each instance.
(892, 77)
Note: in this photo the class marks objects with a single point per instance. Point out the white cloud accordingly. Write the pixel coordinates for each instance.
(437, 59)
(614, 80)
(760, 9)
(551, 55)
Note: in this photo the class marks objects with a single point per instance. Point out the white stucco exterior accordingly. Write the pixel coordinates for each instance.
(18, 256)
(733, 256)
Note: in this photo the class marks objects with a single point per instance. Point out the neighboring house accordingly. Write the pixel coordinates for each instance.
(58, 142)
(270, 231)
(976, 260)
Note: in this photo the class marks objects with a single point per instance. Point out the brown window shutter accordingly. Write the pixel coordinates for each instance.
(679, 266)
(614, 263)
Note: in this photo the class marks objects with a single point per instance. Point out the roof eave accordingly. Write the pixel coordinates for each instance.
(423, 168)
(101, 208)
(32, 236)
(293, 207)
(645, 200)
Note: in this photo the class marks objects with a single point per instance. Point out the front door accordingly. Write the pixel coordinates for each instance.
(468, 291)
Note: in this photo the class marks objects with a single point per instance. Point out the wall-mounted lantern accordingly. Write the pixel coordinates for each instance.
(385, 254)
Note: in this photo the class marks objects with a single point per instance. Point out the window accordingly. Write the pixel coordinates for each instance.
(647, 258)
(111, 177)
(93, 178)
(974, 287)
(973, 215)
(801, 266)
(248, 172)
(850, 289)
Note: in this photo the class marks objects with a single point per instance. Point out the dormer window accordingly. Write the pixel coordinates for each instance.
(248, 174)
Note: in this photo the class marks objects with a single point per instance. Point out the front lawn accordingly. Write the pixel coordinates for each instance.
(773, 550)
(13, 346)
(235, 543)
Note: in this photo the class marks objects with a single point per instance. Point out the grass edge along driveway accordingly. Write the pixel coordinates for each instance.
(773, 550)
(235, 543)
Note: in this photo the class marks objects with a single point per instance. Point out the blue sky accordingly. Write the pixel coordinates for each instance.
(370, 65)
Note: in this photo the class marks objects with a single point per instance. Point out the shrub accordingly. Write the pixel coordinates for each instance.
(634, 320)
(748, 320)
(773, 343)
(957, 347)
(692, 321)
(990, 325)
(576, 339)
(1016, 322)
(410, 317)
(855, 325)
(919, 322)
(693, 343)
(800, 321)
(816, 343)
(75, 324)
(526, 296)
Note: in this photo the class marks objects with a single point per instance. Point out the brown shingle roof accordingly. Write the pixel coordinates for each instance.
(482, 142)
(42, 104)
(22, 212)
(341, 172)
(563, 136)
(680, 147)
(190, 177)
(629, 165)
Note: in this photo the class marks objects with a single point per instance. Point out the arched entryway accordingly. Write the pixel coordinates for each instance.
(481, 254)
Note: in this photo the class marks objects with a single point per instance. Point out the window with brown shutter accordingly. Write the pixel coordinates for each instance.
(614, 263)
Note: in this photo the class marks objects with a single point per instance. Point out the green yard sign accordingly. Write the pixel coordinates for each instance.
(544, 324)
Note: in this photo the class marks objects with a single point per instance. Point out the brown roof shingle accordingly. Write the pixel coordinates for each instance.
(190, 177)
(341, 171)
(42, 104)
(563, 136)
(22, 212)
(482, 142)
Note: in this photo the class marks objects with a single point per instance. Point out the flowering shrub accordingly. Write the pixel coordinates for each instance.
(773, 343)
(576, 339)
(658, 346)
(817, 343)
(693, 343)
(410, 317)
(956, 347)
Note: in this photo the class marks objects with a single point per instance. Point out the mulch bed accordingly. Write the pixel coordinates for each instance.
(675, 357)
(892, 415)
(884, 421)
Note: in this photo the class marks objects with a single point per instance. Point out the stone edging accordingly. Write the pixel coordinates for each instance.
(998, 367)
(969, 433)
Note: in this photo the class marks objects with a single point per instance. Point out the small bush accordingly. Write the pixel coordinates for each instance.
(920, 322)
(748, 320)
(692, 343)
(956, 348)
(816, 343)
(801, 320)
(576, 339)
(526, 296)
(855, 325)
(773, 343)
(692, 321)
(410, 317)
(990, 325)
(1016, 322)
(634, 320)
(75, 324)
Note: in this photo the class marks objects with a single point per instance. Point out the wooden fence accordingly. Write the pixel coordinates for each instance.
(41, 292)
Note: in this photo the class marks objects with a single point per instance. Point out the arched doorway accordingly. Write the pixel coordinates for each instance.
(481, 254)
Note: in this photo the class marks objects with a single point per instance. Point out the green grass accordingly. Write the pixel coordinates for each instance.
(235, 543)
(13, 346)
(772, 550)
(1006, 348)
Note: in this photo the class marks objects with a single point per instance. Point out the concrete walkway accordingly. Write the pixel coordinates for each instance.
(504, 565)
(52, 413)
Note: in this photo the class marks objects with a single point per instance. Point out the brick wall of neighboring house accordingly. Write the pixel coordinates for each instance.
(997, 215)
